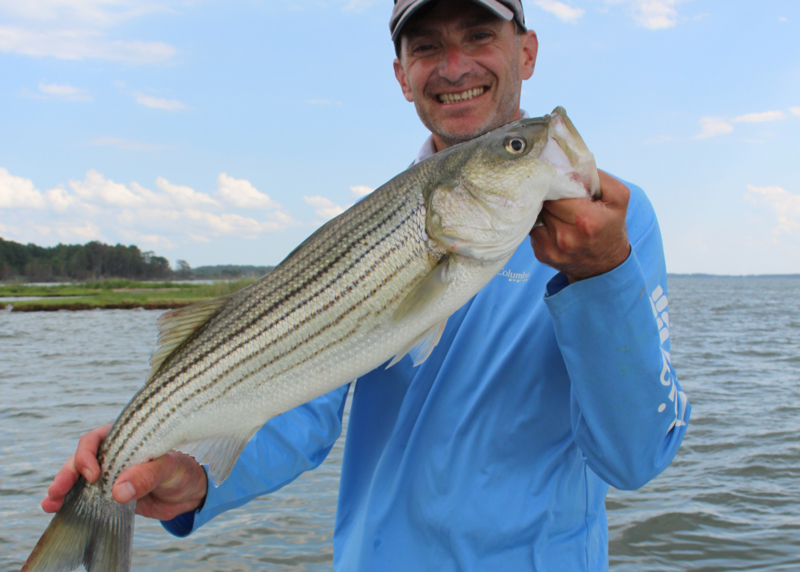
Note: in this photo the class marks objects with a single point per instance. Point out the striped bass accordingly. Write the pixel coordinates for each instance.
(377, 282)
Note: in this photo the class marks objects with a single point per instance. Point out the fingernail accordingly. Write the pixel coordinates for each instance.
(87, 474)
(125, 492)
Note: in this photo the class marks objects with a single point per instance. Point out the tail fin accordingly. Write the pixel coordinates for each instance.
(90, 530)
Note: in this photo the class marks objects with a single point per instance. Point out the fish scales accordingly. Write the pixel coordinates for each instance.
(366, 277)
(378, 281)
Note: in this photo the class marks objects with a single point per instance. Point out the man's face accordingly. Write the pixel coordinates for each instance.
(463, 67)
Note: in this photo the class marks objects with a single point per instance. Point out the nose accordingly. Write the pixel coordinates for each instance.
(454, 64)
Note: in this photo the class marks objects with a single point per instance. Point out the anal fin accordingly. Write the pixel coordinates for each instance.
(219, 453)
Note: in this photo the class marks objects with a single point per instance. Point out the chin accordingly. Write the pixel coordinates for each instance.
(463, 131)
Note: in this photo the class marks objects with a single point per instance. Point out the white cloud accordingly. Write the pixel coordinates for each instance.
(84, 233)
(78, 29)
(241, 193)
(128, 144)
(760, 117)
(560, 10)
(80, 44)
(59, 199)
(361, 190)
(19, 193)
(783, 19)
(358, 5)
(795, 110)
(234, 224)
(96, 188)
(158, 102)
(652, 14)
(152, 240)
(65, 91)
(198, 237)
(784, 204)
(98, 208)
(184, 196)
(713, 126)
(325, 208)
(96, 12)
(8, 230)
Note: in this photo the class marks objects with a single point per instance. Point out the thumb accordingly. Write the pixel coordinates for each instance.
(140, 480)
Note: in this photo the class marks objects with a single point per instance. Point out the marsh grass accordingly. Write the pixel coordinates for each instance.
(118, 294)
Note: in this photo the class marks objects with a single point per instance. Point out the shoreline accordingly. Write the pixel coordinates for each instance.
(113, 295)
(82, 306)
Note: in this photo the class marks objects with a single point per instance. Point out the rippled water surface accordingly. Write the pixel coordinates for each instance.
(730, 500)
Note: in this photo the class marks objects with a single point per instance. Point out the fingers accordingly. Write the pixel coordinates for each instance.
(141, 480)
(614, 191)
(582, 237)
(164, 487)
(83, 462)
(64, 480)
(86, 454)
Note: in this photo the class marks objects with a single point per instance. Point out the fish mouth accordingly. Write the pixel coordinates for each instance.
(466, 95)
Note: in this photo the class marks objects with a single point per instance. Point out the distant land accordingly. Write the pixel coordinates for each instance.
(699, 275)
(225, 271)
(97, 261)
(24, 263)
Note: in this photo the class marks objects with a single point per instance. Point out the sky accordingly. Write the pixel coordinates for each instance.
(226, 131)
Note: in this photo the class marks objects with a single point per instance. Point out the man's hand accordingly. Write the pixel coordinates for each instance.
(584, 238)
(163, 488)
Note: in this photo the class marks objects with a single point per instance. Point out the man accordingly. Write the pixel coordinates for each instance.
(552, 383)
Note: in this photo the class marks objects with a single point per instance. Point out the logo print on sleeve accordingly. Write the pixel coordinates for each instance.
(659, 303)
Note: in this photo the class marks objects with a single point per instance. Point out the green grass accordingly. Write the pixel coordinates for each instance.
(129, 294)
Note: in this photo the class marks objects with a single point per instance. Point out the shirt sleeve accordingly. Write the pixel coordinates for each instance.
(286, 446)
(627, 410)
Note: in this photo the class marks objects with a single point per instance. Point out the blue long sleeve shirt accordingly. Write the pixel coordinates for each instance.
(497, 452)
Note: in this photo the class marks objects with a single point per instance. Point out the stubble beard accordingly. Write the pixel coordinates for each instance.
(504, 113)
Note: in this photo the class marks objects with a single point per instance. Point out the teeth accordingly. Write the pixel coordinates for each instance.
(463, 96)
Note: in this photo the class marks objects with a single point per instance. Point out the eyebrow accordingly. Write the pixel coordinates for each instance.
(417, 30)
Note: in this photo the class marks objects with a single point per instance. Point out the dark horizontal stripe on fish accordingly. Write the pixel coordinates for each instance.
(385, 219)
(288, 353)
(160, 387)
(220, 339)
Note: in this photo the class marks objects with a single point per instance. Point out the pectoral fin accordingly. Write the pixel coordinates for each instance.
(422, 346)
(219, 453)
(426, 292)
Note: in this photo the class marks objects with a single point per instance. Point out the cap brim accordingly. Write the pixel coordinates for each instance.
(493, 6)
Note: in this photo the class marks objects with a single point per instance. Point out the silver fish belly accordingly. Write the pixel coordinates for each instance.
(377, 282)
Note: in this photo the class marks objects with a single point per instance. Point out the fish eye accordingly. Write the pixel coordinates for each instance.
(515, 145)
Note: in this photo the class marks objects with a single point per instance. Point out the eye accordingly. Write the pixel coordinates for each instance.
(515, 145)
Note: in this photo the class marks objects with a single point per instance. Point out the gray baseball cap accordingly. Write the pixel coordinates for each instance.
(403, 9)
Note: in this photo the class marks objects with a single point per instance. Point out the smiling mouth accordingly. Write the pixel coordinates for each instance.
(463, 96)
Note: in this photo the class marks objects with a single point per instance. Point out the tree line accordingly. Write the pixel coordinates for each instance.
(91, 261)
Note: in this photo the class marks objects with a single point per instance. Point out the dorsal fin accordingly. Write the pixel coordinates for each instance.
(175, 327)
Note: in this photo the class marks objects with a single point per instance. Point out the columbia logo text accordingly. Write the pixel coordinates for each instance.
(514, 276)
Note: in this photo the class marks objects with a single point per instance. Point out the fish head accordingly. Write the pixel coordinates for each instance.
(493, 187)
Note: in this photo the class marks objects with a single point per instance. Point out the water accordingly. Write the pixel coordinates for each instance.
(731, 498)
(729, 501)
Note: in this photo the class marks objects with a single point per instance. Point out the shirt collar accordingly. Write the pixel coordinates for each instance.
(428, 149)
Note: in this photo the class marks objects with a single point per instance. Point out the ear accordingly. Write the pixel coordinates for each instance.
(402, 79)
(529, 47)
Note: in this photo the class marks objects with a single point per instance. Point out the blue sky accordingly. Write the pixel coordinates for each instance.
(224, 132)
